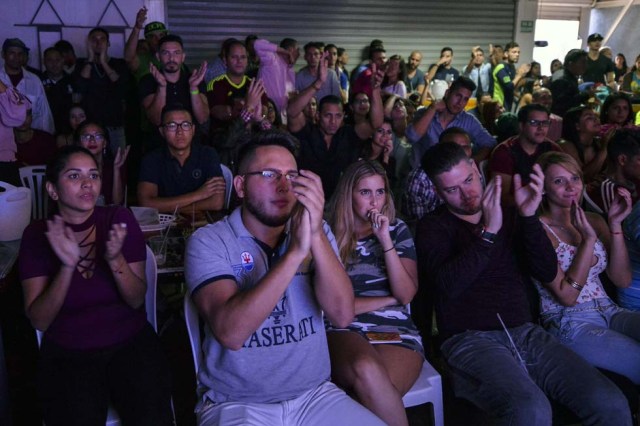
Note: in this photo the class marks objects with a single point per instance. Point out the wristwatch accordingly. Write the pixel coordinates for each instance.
(489, 237)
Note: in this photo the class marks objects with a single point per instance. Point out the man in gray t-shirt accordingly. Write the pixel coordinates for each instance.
(262, 278)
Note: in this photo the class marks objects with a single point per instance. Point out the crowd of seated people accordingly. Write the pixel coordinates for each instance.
(357, 192)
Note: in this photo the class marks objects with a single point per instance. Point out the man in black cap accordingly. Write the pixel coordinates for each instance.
(598, 66)
(14, 75)
(153, 32)
(564, 90)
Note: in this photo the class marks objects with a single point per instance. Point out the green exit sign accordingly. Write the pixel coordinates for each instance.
(526, 26)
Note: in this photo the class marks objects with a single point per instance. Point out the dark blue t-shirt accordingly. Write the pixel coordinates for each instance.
(161, 168)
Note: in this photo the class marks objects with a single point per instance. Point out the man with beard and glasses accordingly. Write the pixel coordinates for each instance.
(429, 123)
(261, 279)
(473, 257)
(172, 85)
(181, 174)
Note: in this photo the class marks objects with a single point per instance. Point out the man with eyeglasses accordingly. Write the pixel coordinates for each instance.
(181, 174)
(519, 153)
(262, 278)
(171, 84)
(327, 148)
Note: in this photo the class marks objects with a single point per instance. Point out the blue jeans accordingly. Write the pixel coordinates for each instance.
(511, 383)
(604, 334)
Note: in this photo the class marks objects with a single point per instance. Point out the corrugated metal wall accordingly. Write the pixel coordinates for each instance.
(567, 10)
(425, 25)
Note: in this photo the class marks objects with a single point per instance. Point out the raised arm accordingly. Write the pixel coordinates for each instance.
(199, 103)
(619, 266)
(403, 272)
(331, 283)
(44, 296)
(234, 315)
(154, 102)
(453, 269)
(129, 277)
(566, 286)
(365, 129)
(295, 116)
(130, 49)
(421, 125)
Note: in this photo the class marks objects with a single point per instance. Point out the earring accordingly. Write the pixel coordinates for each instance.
(104, 151)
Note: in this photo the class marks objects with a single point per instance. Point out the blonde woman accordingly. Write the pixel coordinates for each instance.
(574, 306)
(379, 256)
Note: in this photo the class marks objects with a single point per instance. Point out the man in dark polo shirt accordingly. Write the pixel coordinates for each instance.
(181, 173)
(172, 85)
(328, 147)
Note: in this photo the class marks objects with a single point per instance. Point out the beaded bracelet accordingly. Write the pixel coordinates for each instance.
(572, 283)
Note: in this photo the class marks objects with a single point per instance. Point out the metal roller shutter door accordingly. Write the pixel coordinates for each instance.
(402, 25)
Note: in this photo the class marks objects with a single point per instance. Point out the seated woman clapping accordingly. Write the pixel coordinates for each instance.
(574, 307)
(83, 277)
(379, 255)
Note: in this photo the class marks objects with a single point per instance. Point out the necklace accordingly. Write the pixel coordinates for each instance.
(97, 69)
(555, 225)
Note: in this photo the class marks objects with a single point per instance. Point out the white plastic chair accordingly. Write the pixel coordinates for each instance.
(428, 388)
(32, 177)
(151, 273)
(228, 180)
(192, 320)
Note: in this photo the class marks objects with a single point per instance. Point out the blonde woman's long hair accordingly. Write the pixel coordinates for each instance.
(563, 160)
(341, 217)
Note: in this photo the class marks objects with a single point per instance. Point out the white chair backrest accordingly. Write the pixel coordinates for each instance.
(15, 211)
(151, 272)
(228, 180)
(192, 320)
(32, 177)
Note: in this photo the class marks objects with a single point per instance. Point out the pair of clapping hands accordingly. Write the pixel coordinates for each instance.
(65, 245)
(528, 198)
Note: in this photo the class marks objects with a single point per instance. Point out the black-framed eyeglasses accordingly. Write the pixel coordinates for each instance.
(172, 126)
(539, 123)
(270, 175)
(98, 137)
